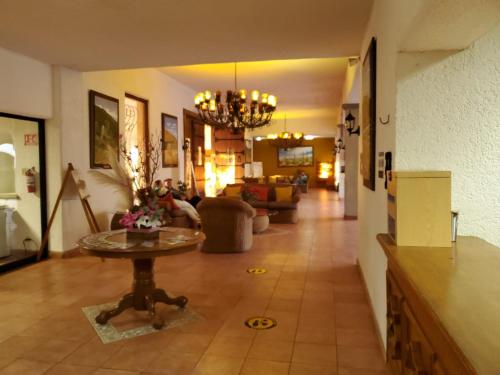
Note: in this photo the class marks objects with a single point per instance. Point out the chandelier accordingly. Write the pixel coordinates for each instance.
(236, 113)
(286, 139)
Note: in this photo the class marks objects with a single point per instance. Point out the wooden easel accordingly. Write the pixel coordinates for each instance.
(83, 195)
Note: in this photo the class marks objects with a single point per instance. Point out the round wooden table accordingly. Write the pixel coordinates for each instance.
(144, 295)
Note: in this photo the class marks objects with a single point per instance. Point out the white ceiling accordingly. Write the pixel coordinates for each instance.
(309, 91)
(113, 34)
(450, 24)
(304, 83)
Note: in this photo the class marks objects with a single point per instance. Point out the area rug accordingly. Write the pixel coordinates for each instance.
(131, 323)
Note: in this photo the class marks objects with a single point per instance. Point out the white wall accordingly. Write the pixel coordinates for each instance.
(388, 21)
(476, 88)
(351, 160)
(164, 95)
(26, 87)
(448, 111)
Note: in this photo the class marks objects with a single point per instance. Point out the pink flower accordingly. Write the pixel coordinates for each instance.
(128, 220)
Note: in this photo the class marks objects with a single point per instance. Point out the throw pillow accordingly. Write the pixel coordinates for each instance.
(260, 192)
(233, 191)
(284, 194)
(168, 202)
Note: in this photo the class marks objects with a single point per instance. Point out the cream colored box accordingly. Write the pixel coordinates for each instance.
(419, 208)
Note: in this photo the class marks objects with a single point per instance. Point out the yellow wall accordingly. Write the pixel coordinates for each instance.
(268, 155)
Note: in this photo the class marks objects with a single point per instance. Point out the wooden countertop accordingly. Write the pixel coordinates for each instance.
(461, 285)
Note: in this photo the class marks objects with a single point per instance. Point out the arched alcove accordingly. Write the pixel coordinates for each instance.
(7, 163)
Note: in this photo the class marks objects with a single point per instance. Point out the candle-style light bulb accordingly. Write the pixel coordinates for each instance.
(264, 98)
(243, 94)
(272, 100)
(208, 95)
(255, 95)
(212, 107)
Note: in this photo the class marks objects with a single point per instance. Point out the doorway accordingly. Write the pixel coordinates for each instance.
(194, 130)
(23, 207)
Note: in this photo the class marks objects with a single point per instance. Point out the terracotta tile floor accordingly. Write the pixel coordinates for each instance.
(312, 288)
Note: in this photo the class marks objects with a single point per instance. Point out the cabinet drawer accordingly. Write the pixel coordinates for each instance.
(394, 309)
(418, 357)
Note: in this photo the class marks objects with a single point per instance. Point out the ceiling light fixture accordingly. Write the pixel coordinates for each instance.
(236, 113)
(286, 139)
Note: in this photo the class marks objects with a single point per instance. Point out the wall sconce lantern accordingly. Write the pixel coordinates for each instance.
(339, 146)
(350, 123)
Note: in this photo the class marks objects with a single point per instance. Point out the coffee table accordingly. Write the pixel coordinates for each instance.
(144, 294)
(261, 219)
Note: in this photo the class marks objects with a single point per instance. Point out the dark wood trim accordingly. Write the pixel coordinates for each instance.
(371, 55)
(350, 217)
(72, 253)
(42, 184)
(350, 106)
(163, 117)
(92, 95)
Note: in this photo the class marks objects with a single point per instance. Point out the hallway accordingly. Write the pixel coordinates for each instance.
(312, 288)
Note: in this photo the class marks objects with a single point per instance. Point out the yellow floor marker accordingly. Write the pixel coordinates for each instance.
(261, 322)
(257, 271)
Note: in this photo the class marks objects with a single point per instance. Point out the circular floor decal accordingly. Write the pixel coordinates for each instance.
(257, 271)
(260, 322)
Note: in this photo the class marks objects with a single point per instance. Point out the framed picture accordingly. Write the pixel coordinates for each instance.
(369, 116)
(169, 141)
(296, 157)
(136, 124)
(104, 129)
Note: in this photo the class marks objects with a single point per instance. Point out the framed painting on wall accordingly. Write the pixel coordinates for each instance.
(368, 117)
(136, 134)
(169, 141)
(296, 157)
(104, 129)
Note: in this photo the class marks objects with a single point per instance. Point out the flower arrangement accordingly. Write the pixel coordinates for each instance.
(145, 216)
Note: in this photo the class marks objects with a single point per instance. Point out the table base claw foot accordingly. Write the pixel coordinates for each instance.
(144, 296)
(161, 296)
(125, 303)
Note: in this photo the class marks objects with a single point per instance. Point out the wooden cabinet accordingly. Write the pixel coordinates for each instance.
(442, 308)
(409, 351)
(394, 309)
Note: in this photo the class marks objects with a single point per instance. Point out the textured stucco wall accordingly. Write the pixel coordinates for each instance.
(448, 110)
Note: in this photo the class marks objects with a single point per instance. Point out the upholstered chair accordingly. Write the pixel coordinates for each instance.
(227, 224)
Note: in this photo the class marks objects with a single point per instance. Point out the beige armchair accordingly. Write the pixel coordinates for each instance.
(227, 224)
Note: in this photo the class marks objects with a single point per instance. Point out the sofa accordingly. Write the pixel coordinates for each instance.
(264, 196)
(300, 178)
(227, 224)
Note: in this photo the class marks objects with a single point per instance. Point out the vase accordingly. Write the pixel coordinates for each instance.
(143, 234)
